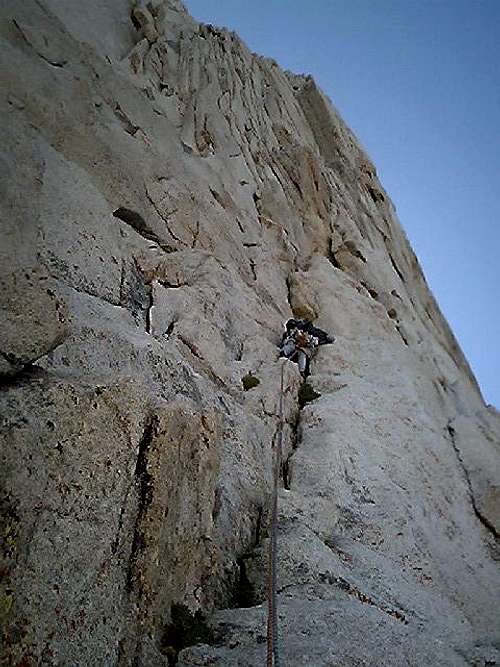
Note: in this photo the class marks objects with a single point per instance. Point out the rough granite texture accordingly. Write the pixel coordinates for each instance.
(168, 200)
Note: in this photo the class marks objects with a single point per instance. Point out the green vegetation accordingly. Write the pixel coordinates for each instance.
(307, 394)
(185, 629)
(249, 381)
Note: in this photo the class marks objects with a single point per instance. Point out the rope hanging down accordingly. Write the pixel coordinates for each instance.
(272, 610)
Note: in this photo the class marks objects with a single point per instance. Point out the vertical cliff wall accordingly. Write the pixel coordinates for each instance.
(169, 199)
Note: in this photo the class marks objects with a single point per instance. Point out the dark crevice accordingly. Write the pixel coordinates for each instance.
(49, 61)
(277, 176)
(252, 268)
(332, 259)
(373, 293)
(144, 484)
(364, 598)
(54, 63)
(395, 267)
(195, 234)
(168, 285)
(184, 629)
(217, 198)
(297, 186)
(351, 247)
(331, 543)
(12, 359)
(20, 366)
(165, 220)
(403, 337)
(192, 347)
(484, 520)
(135, 293)
(443, 384)
(204, 367)
(89, 290)
(256, 201)
(288, 283)
(135, 22)
(127, 125)
(244, 594)
(170, 329)
(287, 473)
(429, 314)
(149, 309)
(139, 225)
(376, 195)
(25, 376)
(239, 352)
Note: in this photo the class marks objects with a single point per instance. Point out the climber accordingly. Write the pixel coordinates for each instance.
(299, 342)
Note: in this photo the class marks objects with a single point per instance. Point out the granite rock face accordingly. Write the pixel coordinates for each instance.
(169, 199)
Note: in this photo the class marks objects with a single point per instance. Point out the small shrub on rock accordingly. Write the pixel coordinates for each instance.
(249, 381)
(307, 394)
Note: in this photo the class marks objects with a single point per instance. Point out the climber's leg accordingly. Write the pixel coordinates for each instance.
(302, 361)
(288, 349)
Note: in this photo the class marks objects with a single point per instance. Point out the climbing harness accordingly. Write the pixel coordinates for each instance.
(272, 610)
(299, 346)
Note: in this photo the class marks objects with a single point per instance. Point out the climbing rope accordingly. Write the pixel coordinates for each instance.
(272, 609)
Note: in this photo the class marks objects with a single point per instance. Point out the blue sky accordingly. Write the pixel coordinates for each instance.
(418, 81)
